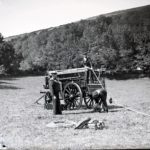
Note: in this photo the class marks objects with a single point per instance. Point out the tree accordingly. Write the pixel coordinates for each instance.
(7, 55)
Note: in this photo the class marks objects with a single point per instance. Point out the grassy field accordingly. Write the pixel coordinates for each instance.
(23, 123)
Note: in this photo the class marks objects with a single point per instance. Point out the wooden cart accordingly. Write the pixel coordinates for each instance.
(78, 85)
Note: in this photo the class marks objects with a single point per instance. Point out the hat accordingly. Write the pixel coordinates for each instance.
(54, 72)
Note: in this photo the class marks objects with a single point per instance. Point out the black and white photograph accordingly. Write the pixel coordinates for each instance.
(74, 74)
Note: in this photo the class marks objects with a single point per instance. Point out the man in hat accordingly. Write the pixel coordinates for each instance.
(55, 89)
(87, 62)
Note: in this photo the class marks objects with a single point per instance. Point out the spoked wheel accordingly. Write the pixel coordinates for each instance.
(72, 96)
(89, 101)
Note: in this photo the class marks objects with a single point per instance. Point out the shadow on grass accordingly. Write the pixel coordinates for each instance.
(111, 108)
(114, 108)
(6, 87)
(78, 112)
(3, 82)
(8, 78)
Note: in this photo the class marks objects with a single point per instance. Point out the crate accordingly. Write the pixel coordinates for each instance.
(48, 106)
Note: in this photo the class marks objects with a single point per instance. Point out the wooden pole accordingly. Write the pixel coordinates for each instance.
(97, 78)
(39, 99)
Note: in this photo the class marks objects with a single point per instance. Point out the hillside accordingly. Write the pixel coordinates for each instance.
(120, 41)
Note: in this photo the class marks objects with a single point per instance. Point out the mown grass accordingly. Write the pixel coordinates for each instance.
(23, 123)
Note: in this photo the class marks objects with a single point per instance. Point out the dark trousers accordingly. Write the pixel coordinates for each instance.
(56, 105)
(104, 102)
(101, 99)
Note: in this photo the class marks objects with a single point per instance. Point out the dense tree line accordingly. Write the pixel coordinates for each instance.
(9, 61)
(119, 42)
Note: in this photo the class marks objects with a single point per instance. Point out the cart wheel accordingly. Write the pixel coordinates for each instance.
(72, 96)
(89, 101)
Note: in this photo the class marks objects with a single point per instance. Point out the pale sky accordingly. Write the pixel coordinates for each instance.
(22, 16)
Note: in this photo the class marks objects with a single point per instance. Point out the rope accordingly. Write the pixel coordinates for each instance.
(134, 110)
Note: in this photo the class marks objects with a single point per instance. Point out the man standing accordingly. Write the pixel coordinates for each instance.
(87, 62)
(55, 89)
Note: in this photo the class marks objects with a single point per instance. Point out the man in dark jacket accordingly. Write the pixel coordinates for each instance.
(87, 62)
(55, 89)
(100, 97)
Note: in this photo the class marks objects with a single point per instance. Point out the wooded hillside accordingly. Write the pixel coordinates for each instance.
(119, 41)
